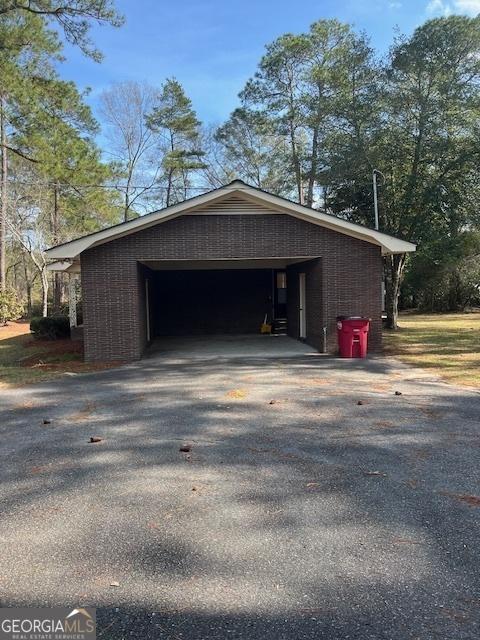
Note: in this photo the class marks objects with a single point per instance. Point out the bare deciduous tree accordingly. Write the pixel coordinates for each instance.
(123, 109)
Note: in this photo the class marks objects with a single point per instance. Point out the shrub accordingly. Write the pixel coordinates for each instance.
(10, 306)
(36, 310)
(51, 328)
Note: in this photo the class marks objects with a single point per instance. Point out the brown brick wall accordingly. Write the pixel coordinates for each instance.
(346, 280)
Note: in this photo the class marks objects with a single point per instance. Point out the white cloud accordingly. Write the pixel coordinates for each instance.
(394, 4)
(438, 8)
(471, 7)
(446, 8)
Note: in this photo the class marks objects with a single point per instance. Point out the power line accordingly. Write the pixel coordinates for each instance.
(105, 186)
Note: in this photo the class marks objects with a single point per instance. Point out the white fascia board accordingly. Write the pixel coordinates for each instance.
(388, 244)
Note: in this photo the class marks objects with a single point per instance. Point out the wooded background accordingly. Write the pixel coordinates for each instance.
(322, 112)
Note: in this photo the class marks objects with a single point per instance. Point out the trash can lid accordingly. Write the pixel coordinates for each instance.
(352, 318)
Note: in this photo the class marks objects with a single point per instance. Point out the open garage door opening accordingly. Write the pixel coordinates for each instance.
(228, 298)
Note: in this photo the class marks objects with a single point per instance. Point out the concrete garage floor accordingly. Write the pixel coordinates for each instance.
(228, 346)
(312, 517)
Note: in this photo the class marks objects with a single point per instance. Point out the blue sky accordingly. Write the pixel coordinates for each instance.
(212, 46)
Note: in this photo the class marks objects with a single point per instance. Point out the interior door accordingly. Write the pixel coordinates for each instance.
(302, 304)
(280, 295)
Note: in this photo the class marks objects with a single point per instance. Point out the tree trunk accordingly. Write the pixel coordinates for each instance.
(325, 198)
(297, 168)
(28, 285)
(3, 187)
(315, 143)
(126, 205)
(394, 268)
(169, 187)
(313, 169)
(126, 208)
(44, 278)
(57, 280)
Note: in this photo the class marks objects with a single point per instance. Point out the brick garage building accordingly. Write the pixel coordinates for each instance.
(219, 263)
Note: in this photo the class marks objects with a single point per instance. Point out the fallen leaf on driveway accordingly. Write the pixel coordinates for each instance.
(238, 394)
(114, 584)
(39, 469)
(429, 412)
(472, 501)
(94, 439)
(185, 448)
(421, 454)
(316, 381)
(380, 387)
(375, 473)
(313, 484)
(406, 541)
(84, 413)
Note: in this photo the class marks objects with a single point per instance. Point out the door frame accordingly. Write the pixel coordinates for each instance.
(302, 305)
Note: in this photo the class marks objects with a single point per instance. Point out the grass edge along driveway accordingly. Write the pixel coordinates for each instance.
(446, 344)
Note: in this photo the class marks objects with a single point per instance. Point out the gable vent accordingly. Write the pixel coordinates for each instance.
(232, 205)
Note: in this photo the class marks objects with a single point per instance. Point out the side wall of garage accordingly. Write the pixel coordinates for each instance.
(315, 307)
(113, 281)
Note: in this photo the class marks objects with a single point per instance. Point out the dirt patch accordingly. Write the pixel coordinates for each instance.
(51, 352)
(64, 345)
(13, 329)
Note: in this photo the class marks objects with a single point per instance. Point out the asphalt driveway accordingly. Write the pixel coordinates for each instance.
(298, 513)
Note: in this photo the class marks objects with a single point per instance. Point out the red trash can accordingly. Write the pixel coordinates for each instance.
(352, 333)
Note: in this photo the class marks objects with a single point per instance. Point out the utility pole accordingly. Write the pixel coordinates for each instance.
(375, 196)
(3, 188)
(376, 172)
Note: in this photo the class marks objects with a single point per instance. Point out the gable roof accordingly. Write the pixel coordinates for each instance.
(254, 201)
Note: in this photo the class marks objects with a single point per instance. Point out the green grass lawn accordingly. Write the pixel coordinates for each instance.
(24, 360)
(449, 344)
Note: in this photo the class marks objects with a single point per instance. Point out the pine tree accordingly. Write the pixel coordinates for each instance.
(176, 122)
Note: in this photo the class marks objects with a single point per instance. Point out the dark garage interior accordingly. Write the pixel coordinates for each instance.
(206, 302)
